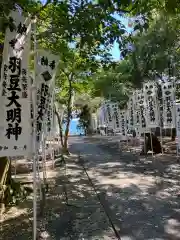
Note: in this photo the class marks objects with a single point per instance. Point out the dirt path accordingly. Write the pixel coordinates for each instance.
(143, 194)
(83, 219)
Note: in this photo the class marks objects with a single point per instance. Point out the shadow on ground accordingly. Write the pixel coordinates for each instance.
(140, 195)
(143, 193)
(83, 219)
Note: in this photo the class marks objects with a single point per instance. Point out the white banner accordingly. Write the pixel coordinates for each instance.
(109, 115)
(152, 116)
(123, 122)
(15, 119)
(104, 116)
(94, 121)
(142, 109)
(130, 113)
(178, 126)
(101, 115)
(116, 116)
(168, 95)
(46, 70)
(137, 115)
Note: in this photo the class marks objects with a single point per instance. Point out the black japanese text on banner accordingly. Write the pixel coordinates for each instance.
(142, 105)
(115, 115)
(104, 113)
(49, 114)
(130, 113)
(15, 119)
(46, 70)
(168, 95)
(137, 115)
(123, 122)
(109, 114)
(150, 93)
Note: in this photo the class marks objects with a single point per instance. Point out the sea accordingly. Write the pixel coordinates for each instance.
(73, 130)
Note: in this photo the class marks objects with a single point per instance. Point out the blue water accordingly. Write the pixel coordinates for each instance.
(73, 127)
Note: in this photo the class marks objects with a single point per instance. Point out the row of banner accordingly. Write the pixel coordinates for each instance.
(19, 92)
(17, 89)
(144, 110)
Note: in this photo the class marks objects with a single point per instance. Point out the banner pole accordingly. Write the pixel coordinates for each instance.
(34, 96)
(44, 156)
(51, 126)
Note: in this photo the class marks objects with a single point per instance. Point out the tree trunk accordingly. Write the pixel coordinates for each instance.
(5, 177)
(69, 112)
(60, 128)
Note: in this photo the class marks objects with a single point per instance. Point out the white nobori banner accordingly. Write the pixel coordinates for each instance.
(130, 113)
(178, 126)
(109, 117)
(15, 118)
(168, 94)
(116, 116)
(141, 103)
(137, 115)
(152, 114)
(45, 75)
(123, 122)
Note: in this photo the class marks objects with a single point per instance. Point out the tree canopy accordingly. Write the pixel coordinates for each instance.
(149, 52)
(82, 32)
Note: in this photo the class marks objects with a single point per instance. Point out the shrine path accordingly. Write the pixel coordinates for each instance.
(142, 194)
(141, 197)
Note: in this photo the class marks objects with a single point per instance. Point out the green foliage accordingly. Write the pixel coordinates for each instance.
(83, 23)
(115, 83)
(144, 7)
(78, 70)
(156, 51)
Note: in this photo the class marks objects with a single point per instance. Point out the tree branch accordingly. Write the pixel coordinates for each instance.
(65, 73)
